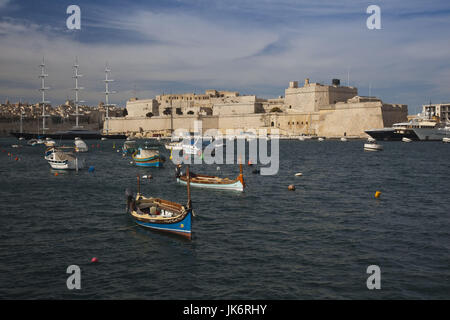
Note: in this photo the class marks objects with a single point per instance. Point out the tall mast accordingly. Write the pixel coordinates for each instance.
(76, 76)
(107, 92)
(42, 76)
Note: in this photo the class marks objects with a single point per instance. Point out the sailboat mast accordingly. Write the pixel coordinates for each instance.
(107, 92)
(43, 88)
(188, 184)
(77, 102)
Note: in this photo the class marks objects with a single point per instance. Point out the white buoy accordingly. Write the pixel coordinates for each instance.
(298, 174)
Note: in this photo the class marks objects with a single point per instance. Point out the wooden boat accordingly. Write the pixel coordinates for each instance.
(212, 182)
(162, 215)
(148, 157)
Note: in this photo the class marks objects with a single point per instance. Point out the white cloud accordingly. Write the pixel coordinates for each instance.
(232, 53)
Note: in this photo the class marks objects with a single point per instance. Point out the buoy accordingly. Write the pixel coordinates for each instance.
(298, 174)
(131, 162)
(91, 169)
(94, 260)
(377, 194)
(291, 187)
(56, 173)
(250, 163)
(17, 158)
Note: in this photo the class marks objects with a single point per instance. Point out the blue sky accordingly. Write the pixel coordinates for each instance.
(255, 47)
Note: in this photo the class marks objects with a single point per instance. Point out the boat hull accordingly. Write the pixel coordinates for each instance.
(148, 162)
(392, 134)
(181, 228)
(431, 134)
(235, 186)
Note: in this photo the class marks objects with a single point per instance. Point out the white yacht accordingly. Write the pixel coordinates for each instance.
(430, 130)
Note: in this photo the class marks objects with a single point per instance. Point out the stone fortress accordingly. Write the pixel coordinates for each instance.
(329, 111)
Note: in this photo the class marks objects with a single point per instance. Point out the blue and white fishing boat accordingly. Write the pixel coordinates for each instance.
(148, 157)
(162, 215)
(212, 182)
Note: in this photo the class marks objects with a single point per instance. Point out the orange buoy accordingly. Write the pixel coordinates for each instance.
(94, 260)
(291, 187)
(377, 194)
(17, 158)
(56, 173)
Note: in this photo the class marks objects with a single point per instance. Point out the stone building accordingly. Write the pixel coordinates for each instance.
(440, 110)
(313, 109)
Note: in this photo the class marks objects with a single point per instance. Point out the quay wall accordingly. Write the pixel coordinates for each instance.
(339, 120)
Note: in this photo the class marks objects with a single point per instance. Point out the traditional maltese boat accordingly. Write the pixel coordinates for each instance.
(212, 182)
(162, 215)
(148, 157)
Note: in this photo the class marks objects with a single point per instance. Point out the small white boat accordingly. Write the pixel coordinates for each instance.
(343, 139)
(404, 139)
(320, 139)
(373, 146)
(80, 145)
(371, 140)
(104, 139)
(446, 140)
(63, 159)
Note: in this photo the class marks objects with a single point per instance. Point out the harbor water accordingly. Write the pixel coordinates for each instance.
(266, 243)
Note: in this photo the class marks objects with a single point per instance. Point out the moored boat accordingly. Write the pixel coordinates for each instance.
(212, 182)
(62, 158)
(162, 215)
(372, 146)
(148, 157)
(405, 139)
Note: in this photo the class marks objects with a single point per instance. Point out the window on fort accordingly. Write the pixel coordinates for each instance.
(272, 124)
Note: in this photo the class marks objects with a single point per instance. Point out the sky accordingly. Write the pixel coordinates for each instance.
(250, 46)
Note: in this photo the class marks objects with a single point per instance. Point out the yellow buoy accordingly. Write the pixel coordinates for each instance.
(377, 194)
